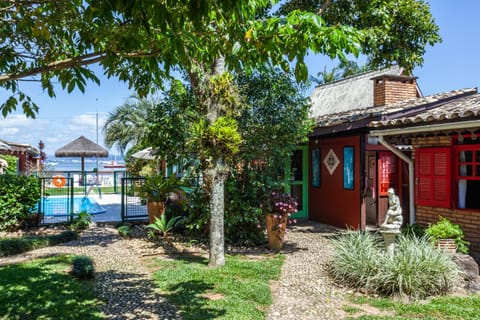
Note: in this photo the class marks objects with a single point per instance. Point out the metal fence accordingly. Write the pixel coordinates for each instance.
(56, 204)
(133, 207)
(86, 179)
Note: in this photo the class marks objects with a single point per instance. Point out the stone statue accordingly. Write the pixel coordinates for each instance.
(393, 218)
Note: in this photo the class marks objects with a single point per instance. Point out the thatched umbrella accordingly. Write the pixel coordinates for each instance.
(81, 147)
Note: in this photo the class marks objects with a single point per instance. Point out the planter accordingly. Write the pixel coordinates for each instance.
(447, 245)
(276, 231)
(155, 210)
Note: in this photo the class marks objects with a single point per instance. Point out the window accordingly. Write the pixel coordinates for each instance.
(386, 171)
(433, 177)
(348, 167)
(467, 175)
(316, 168)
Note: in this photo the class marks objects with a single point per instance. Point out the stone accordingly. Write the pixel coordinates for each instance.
(468, 266)
(473, 286)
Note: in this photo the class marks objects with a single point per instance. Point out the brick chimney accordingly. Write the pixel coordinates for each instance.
(388, 89)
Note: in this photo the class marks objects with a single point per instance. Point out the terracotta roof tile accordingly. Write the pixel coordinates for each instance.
(423, 108)
(456, 105)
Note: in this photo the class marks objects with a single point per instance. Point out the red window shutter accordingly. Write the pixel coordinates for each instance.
(433, 177)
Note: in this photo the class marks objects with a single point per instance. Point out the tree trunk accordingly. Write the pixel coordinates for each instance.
(217, 174)
(216, 177)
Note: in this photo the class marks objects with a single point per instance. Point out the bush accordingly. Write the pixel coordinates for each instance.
(82, 267)
(19, 196)
(413, 230)
(81, 221)
(124, 231)
(444, 229)
(415, 270)
(9, 246)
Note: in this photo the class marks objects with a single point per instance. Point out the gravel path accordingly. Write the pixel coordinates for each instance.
(121, 280)
(305, 291)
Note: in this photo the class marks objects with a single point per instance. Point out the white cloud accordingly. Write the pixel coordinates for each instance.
(8, 131)
(54, 131)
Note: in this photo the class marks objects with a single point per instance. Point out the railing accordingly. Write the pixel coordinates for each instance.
(133, 207)
(106, 180)
(56, 204)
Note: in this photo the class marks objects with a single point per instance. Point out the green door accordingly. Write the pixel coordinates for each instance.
(297, 176)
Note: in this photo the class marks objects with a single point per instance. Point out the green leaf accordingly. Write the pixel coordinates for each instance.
(236, 47)
(71, 86)
(301, 71)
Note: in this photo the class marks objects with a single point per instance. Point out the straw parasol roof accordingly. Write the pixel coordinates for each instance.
(81, 147)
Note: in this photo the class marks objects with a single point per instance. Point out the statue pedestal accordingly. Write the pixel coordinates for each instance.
(389, 236)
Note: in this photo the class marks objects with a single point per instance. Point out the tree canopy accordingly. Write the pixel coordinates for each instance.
(399, 30)
(142, 42)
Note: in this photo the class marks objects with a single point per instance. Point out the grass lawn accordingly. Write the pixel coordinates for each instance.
(439, 308)
(43, 289)
(239, 290)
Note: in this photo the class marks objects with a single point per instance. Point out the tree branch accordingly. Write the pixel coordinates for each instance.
(57, 65)
(324, 6)
(72, 62)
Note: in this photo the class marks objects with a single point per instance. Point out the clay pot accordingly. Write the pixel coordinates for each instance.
(447, 245)
(155, 210)
(276, 231)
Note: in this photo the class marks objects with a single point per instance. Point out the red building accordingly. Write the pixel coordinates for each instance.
(445, 151)
(27, 155)
(350, 171)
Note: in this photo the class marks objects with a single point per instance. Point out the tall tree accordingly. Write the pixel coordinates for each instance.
(402, 29)
(142, 42)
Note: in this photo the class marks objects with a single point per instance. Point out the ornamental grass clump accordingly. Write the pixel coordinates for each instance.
(415, 269)
(357, 258)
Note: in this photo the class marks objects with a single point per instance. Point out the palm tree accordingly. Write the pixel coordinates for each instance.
(126, 124)
(343, 70)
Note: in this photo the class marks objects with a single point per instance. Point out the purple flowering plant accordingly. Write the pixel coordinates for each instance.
(281, 206)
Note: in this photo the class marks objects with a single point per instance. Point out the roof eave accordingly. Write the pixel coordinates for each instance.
(453, 126)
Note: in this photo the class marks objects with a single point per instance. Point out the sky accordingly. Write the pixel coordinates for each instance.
(452, 64)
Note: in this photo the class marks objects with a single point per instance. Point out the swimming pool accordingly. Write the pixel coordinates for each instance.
(60, 206)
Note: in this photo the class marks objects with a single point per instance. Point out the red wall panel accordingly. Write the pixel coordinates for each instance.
(330, 203)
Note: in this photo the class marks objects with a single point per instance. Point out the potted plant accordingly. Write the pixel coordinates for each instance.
(447, 236)
(279, 209)
(156, 189)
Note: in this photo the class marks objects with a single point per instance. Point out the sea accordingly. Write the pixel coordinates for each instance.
(68, 164)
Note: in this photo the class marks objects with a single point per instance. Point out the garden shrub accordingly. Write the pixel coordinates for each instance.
(9, 246)
(273, 120)
(12, 163)
(415, 270)
(197, 213)
(413, 230)
(82, 267)
(124, 231)
(19, 196)
(444, 229)
(81, 221)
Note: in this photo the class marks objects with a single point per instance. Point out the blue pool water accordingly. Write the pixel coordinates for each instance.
(55, 206)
